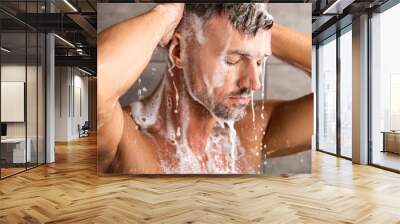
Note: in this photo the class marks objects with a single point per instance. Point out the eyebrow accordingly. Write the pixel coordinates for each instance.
(243, 53)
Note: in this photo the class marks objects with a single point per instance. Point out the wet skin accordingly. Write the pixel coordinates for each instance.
(285, 127)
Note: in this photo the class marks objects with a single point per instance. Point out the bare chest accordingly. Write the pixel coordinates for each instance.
(224, 152)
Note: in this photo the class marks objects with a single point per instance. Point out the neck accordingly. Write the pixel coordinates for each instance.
(186, 118)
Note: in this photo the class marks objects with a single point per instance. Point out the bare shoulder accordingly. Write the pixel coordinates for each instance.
(290, 127)
(252, 127)
(136, 151)
(258, 114)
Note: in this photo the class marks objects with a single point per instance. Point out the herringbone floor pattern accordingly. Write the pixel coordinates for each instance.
(70, 191)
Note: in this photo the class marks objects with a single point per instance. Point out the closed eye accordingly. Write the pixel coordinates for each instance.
(233, 60)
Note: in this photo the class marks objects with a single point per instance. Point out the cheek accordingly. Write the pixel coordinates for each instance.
(228, 83)
(220, 75)
(223, 75)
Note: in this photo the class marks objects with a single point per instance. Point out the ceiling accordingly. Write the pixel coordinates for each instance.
(332, 15)
(74, 22)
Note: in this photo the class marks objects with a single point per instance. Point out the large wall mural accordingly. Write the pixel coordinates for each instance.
(183, 88)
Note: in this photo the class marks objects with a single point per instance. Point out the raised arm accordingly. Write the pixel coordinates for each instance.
(292, 46)
(291, 124)
(290, 127)
(124, 50)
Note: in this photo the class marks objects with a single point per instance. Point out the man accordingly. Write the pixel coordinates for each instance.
(202, 117)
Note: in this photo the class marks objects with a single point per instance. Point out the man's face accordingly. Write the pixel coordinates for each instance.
(222, 66)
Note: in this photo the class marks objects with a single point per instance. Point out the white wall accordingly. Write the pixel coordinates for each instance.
(62, 81)
(70, 84)
(12, 73)
(33, 126)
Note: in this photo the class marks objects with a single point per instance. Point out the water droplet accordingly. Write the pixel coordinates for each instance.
(140, 94)
(252, 105)
(176, 97)
(232, 137)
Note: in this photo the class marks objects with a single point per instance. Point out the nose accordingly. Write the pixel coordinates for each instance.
(250, 77)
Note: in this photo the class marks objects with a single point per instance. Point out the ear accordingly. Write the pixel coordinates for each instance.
(175, 50)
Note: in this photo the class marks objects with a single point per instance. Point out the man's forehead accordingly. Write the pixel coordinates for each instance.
(219, 31)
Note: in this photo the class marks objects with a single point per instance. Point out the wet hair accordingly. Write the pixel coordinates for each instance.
(247, 18)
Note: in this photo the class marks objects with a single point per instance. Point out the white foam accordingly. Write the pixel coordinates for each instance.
(176, 98)
(197, 23)
(220, 148)
(188, 161)
(232, 137)
(146, 115)
(171, 65)
(218, 78)
(263, 90)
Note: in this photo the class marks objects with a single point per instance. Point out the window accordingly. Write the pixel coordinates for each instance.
(346, 92)
(327, 96)
(385, 89)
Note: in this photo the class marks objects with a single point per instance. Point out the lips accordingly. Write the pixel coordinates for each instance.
(238, 99)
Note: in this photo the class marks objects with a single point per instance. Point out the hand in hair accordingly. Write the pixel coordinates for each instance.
(172, 11)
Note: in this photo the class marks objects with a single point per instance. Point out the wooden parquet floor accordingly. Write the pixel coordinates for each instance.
(70, 191)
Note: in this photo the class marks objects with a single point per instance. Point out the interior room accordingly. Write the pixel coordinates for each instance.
(50, 121)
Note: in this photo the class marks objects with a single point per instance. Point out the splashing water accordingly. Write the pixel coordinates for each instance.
(263, 89)
(145, 115)
(252, 106)
(232, 137)
(176, 98)
(188, 161)
(171, 65)
(198, 26)
(140, 96)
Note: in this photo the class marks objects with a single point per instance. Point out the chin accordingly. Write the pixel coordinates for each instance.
(230, 115)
